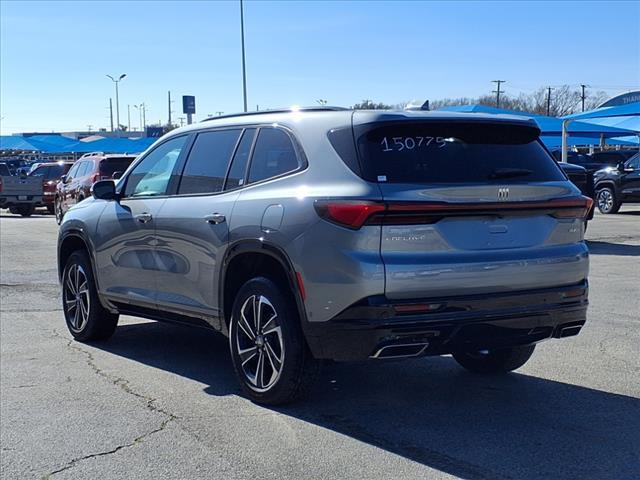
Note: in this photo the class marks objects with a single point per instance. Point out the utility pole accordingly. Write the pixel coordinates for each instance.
(117, 81)
(244, 71)
(169, 107)
(181, 119)
(549, 101)
(583, 96)
(497, 91)
(111, 113)
(128, 117)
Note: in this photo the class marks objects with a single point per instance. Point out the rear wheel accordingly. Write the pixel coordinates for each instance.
(607, 201)
(86, 318)
(26, 210)
(499, 360)
(270, 356)
(50, 209)
(57, 207)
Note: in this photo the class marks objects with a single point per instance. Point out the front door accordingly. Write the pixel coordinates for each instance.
(125, 240)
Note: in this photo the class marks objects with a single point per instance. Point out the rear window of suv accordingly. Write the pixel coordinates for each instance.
(109, 166)
(453, 153)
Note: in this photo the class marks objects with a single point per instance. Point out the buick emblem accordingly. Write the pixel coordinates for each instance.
(503, 194)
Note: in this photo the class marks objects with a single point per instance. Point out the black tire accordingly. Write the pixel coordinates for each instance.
(607, 201)
(57, 207)
(500, 360)
(26, 210)
(277, 338)
(98, 323)
(14, 210)
(51, 209)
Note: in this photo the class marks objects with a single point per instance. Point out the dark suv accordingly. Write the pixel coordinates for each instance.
(619, 184)
(336, 234)
(75, 186)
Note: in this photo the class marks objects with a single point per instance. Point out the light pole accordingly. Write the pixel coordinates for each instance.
(143, 120)
(117, 100)
(244, 71)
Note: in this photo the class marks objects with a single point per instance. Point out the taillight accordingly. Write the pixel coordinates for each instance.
(356, 213)
(351, 214)
(576, 208)
(95, 177)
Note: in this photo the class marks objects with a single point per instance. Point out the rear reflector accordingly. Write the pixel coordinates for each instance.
(355, 214)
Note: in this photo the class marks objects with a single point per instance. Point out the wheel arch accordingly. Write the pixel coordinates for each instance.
(247, 259)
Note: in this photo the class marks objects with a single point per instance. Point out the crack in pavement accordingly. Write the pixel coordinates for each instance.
(124, 385)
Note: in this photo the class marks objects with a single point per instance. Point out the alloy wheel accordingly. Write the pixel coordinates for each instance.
(605, 200)
(258, 342)
(76, 297)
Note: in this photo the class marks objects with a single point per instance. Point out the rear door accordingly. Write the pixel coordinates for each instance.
(193, 225)
(630, 181)
(471, 208)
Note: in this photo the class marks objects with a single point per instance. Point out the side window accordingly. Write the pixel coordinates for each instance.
(208, 161)
(152, 175)
(83, 169)
(273, 155)
(72, 173)
(634, 162)
(235, 178)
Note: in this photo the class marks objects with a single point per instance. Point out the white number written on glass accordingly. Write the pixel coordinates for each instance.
(398, 144)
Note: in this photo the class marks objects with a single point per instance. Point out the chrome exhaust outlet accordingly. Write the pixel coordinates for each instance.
(401, 350)
(570, 331)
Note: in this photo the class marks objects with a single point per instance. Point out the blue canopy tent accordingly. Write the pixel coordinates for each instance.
(550, 126)
(629, 113)
(59, 144)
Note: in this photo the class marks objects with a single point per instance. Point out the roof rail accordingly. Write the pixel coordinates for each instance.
(280, 110)
(91, 154)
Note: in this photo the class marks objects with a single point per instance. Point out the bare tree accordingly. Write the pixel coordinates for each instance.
(370, 105)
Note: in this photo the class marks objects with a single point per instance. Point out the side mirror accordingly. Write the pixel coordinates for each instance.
(104, 190)
(63, 179)
(117, 174)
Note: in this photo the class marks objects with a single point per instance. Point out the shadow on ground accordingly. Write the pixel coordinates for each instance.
(431, 411)
(608, 248)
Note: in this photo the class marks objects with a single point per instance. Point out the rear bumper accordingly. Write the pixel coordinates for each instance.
(13, 201)
(370, 327)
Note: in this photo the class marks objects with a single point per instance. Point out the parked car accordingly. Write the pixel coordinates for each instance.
(20, 194)
(582, 179)
(50, 174)
(336, 234)
(598, 160)
(616, 185)
(75, 186)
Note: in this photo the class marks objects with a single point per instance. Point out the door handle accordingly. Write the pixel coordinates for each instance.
(215, 218)
(144, 217)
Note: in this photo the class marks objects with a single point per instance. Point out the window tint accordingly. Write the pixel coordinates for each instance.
(208, 161)
(109, 166)
(634, 162)
(235, 178)
(273, 155)
(87, 170)
(74, 170)
(39, 172)
(55, 171)
(152, 175)
(454, 153)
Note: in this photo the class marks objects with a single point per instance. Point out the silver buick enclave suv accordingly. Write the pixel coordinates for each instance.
(336, 234)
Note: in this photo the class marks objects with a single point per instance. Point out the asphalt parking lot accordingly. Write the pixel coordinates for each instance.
(161, 401)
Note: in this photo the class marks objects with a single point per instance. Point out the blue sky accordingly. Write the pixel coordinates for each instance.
(54, 55)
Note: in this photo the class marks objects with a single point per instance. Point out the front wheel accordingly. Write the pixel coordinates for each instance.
(86, 318)
(499, 360)
(607, 201)
(270, 356)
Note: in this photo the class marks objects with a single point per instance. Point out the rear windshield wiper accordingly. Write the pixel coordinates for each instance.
(509, 173)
